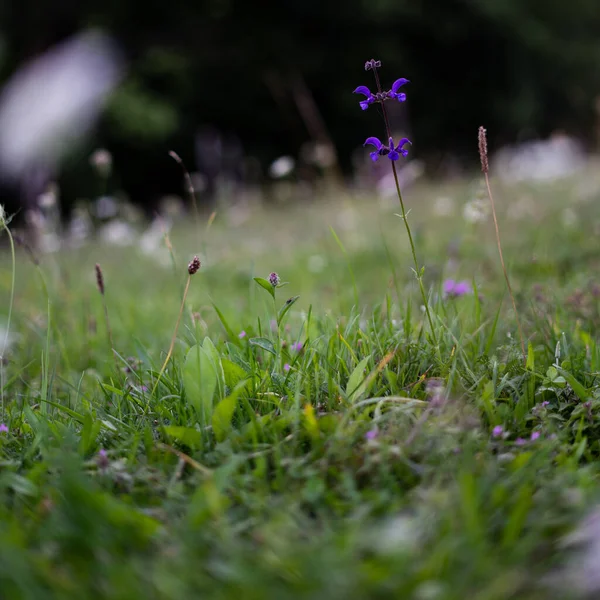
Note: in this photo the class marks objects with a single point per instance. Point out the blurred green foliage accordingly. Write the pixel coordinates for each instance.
(521, 67)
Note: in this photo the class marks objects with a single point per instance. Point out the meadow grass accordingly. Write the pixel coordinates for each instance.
(320, 448)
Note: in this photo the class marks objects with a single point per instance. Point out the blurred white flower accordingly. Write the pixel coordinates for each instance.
(476, 210)
(282, 167)
(53, 100)
(118, 233)
(443, 206)
(101, 160)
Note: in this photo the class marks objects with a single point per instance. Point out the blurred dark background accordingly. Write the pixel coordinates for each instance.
(267, 77)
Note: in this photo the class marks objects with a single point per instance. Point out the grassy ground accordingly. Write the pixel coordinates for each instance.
(338, 454)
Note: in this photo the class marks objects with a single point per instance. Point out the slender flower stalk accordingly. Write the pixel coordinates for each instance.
(483, 156)
(193, 268)
(393, 153)
(4, 221)
(100, 284)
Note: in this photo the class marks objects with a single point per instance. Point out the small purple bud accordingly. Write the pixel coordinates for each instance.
(520, 442)
(102, 459)
(371, 434)
(297, 346)
(497, 431)
(3, 428)
(274, 279)
(242, 334)
(286, 367)
(535, 435)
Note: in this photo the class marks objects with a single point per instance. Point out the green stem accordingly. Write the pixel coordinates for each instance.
(414, 254)
(10, 307)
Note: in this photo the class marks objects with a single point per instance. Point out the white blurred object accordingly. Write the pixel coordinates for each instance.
(475, 211)
(541, 160)
(53, 100)
(118, 233)
(101, 160)
(282, 167)
(443, 207)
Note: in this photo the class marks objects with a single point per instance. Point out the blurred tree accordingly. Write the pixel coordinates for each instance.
(521, 67)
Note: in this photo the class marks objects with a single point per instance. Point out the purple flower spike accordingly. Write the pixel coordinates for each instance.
(391, 151)
(373, 141)
(401, 97)
(401, 143)
(365, 91)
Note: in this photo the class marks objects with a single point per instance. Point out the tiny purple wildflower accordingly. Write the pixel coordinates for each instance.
(286, 367)
(391, 151)
(365, 91)
(297, 346)
(393, 93)
(371, 434)
(3, 428)
(274, 279)
(535, 435)
(520, 442)
(545, 403)
(102, 459)
(497, 431)
(455, 289)
(242, 334)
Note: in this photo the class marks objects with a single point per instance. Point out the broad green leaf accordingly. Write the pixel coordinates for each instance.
(356, 378)
(232, 372)
(284, 309)
(188, 436)
(264, 343)
(223, 414)
(265, 285)
(200, 381)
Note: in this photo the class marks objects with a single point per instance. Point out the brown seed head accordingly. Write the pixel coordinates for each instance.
(194, 265)
(483, 151)
(99, 279)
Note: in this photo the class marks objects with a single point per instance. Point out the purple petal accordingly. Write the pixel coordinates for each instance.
(364, 104)
(364, 90)
(374, 156)
(404, 152)
(497, 431)
(391, 146)
(403, 141)
(400, 97)
(462, 288)
(449, 286)
(373, 141)
(535, 435)
(398, 84)
(393, 155)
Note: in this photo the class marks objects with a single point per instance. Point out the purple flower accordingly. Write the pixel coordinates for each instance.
(3, 428)
(297, 346)
(381, 96)
(520, 442)
(545, 403)
(371, 434)
(286, 367)
(274, 279)
(391, 151)
(455, 289)
(102, 459)
(365, 91)
(393, 93)
(242, 334)
(497, 431)
(535, 435)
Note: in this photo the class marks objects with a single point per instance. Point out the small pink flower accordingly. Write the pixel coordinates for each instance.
(286, 367)
(242, 334)
(520, 442)
(297, 346)
(497, 431)
(535, 435)
(3, 428)
(371, 434)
